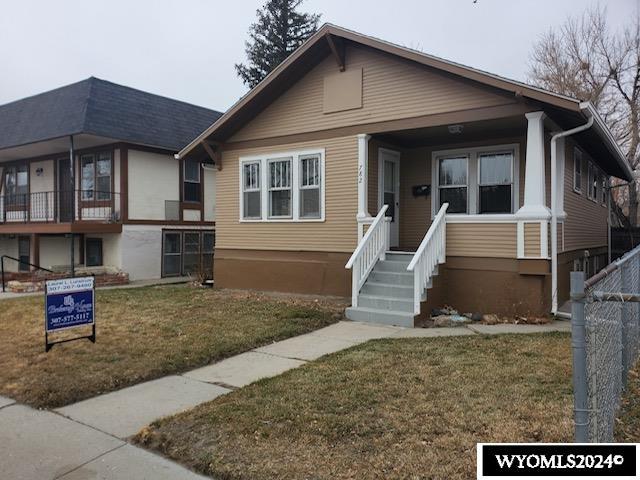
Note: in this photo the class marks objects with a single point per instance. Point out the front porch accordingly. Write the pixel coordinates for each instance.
(495, 249)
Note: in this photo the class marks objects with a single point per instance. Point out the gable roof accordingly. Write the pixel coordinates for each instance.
(98, 107)
(322, 43)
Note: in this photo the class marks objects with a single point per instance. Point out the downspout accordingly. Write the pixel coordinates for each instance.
(554, 207)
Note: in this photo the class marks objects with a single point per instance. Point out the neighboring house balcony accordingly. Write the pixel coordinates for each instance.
(60, 211)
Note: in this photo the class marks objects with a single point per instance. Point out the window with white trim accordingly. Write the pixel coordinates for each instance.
(495, 185)
(287, 186)
(309, 186)
(280, 188)
(592, 182)
(577, 170)
(251, 193)
(452, 183)
(476, 180)
(605, 184)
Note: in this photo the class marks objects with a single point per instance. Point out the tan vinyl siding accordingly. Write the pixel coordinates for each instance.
(415, 212)
(532, 239)
(586, 222)
(338, 233)
(495, 240)
(392, 89)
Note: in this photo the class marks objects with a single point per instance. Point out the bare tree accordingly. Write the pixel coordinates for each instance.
(585, 58)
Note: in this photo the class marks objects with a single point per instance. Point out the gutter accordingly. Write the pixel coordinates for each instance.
(554, 205)
(596, 121)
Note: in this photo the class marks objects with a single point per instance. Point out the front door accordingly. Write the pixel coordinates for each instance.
(65, 191)
(389, 190)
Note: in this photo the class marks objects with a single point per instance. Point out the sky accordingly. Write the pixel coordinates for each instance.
(186, 49)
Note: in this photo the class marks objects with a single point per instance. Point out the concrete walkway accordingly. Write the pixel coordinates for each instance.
(88, 440)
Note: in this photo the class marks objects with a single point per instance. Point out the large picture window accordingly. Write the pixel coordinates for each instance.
(96, 176)
(280, 187)
(191, 191)
(453, 187)
(495, 184)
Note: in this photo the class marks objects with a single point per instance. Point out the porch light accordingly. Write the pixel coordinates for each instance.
(455, 129)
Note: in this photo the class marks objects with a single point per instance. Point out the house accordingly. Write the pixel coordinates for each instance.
(92, 164)
(432, 182)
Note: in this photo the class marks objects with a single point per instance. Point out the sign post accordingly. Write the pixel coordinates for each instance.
(69, 303)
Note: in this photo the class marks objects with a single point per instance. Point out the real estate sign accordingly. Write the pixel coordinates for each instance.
(69, 302)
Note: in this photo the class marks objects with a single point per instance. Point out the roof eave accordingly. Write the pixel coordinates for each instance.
(611, 143)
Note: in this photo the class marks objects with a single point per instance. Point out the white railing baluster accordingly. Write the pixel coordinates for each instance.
(431, 252)
(372, 247)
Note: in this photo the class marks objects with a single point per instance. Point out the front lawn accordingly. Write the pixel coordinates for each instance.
(142, 333)
(396, 408)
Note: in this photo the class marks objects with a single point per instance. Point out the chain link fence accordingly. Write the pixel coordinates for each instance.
(605, 336)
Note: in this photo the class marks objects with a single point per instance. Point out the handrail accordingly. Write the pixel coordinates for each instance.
(427, 237)
(372, 247)
(430, 253)
(37, 267)
(59, 206)
(366, 236)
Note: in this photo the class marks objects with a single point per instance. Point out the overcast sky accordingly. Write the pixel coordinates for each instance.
(186, 49)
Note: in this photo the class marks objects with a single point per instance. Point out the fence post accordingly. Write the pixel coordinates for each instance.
(578, 344)
(626, 314)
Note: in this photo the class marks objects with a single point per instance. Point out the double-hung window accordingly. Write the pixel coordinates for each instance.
(476, 180)
(251, 194)
(16, 185)
(592, 182)
(96, 176)
(495, 183)
(603, 190)
(282, 187)
(577, 170)
(191, 181)
(310, 186)
(453, 187)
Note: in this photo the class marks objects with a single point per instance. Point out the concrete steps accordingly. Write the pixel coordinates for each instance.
(387, 295)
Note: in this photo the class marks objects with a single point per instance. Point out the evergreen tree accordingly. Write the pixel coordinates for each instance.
(279, 31)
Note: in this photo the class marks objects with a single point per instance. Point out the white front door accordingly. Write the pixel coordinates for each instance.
(389, 189)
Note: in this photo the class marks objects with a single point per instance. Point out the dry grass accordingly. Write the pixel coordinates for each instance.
(142, 334)
(386, 409)
(628, 422)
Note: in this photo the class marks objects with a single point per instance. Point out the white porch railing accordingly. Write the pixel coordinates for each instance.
(430, 253)
(371, 248)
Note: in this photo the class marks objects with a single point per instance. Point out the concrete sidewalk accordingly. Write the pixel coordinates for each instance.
(88, 440)
(124, 412)
(40, 445)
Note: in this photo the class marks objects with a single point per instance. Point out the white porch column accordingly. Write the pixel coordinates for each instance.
(363, 183)
(534, 180)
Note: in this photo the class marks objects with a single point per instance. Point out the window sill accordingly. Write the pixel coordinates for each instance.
(282, 220)
(482, 218)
